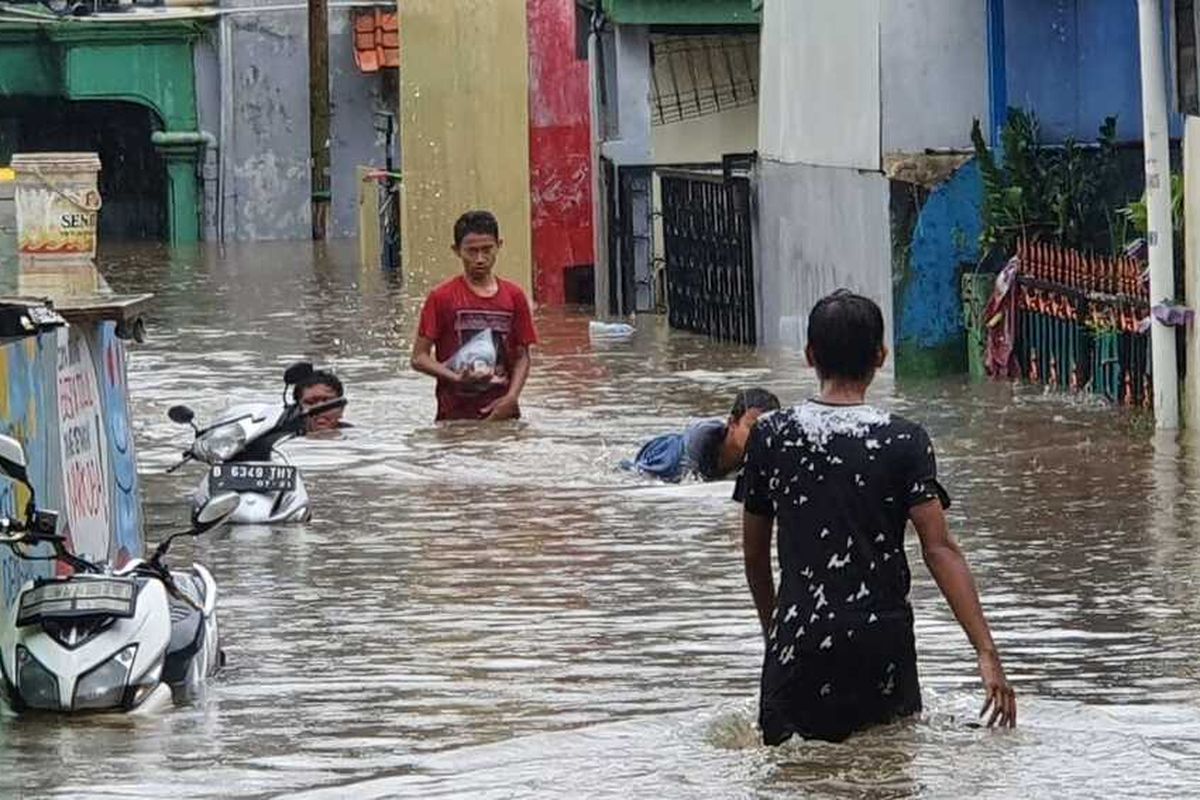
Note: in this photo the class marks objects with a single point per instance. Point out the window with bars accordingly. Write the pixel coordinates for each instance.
(699, 75)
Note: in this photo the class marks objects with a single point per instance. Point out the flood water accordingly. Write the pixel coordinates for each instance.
(496, 612)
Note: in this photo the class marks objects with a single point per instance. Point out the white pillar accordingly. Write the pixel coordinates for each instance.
(1191, 267)
(1158, 202)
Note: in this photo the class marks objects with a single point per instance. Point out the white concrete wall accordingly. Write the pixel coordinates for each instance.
(819, 229)
(820, 90)
(632, 142)
(842, 84)
(935, 73)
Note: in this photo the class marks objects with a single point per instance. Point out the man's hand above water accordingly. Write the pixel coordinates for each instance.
(504, 408)
(1001, 699)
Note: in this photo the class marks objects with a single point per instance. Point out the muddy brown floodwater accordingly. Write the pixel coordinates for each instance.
(495, 612)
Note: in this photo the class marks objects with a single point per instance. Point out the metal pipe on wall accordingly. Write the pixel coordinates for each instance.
(225, 124)
(318, 115)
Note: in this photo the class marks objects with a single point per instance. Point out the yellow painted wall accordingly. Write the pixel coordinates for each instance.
(464, 126)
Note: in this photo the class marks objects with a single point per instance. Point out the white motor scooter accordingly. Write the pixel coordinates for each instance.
(131, 639)
(240, 448)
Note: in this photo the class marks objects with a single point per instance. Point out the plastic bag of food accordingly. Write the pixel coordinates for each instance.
(477, 356)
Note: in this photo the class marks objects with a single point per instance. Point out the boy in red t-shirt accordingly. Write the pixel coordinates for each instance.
(460, 308)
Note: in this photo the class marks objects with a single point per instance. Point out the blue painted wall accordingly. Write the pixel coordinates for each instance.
(29, 413)
(31, 410)
(927, 298)
(1075, 62)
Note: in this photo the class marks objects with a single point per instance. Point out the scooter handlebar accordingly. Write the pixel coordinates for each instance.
(187, 456)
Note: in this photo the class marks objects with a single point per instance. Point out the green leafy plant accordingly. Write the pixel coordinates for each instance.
(1037, 192)
(1138, 216)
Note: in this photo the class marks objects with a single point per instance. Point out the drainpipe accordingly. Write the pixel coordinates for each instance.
(1158, 204)
(997, 70)
(225, 59)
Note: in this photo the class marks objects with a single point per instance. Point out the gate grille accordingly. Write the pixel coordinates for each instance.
(709, 254)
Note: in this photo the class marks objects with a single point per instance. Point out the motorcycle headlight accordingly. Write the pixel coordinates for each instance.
(37, 685)
(219, 444)
(104, 686)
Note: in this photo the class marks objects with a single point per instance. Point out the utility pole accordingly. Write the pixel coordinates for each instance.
(1161, 229)
(318, 114)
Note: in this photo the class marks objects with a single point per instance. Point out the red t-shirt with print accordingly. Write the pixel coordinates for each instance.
(452, 315)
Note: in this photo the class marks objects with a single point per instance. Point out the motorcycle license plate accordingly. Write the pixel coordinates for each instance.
(78, 597)
(251, 478)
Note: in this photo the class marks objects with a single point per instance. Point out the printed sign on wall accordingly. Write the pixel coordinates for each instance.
(84, 445)
(122, 461)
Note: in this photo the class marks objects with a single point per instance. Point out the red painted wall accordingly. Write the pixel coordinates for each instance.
(560, 160)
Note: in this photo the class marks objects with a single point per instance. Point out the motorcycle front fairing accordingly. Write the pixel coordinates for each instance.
(262, 426)
(79, 660)
(261, 508)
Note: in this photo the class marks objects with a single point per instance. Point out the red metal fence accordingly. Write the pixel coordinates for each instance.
(1080, 323)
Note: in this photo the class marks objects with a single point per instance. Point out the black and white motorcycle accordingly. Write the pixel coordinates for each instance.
(241, 449)
(135, 639)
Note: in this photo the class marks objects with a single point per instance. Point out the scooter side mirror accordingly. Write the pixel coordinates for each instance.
(297, 372)
(181, 415)
(12, 460)
(218, 509)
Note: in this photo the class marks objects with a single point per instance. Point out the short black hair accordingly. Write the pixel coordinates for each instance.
(481, 222)
(845, 332)
(319, 377)
(754, 398)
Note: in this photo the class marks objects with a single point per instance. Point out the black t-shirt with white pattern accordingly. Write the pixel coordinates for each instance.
(839, 481)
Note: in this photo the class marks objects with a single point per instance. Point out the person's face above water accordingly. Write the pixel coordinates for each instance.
(478, 253)
(739, 429)
(316, 395)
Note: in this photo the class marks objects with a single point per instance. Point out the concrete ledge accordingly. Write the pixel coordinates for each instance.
(86, 309)
(75, 290)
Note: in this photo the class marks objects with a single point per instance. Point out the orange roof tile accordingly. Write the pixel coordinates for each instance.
(376, 39)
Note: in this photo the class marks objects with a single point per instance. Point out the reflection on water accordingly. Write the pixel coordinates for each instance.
(497, 612)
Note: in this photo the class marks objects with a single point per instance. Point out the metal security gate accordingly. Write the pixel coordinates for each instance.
(709, 253)
(627, 191)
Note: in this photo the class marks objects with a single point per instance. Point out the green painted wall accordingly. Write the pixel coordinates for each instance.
(682, 12)
(158, 75)
(30, 68)
(145, 62)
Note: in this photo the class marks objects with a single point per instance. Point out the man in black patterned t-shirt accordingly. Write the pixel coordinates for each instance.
(842, 479)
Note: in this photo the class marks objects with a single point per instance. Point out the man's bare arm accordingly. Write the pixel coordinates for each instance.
(423, 361)
(949, 569)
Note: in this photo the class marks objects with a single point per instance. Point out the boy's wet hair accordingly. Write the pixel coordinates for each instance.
(756, 398)
(480, 222)
(845, 332)
(318, 377)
